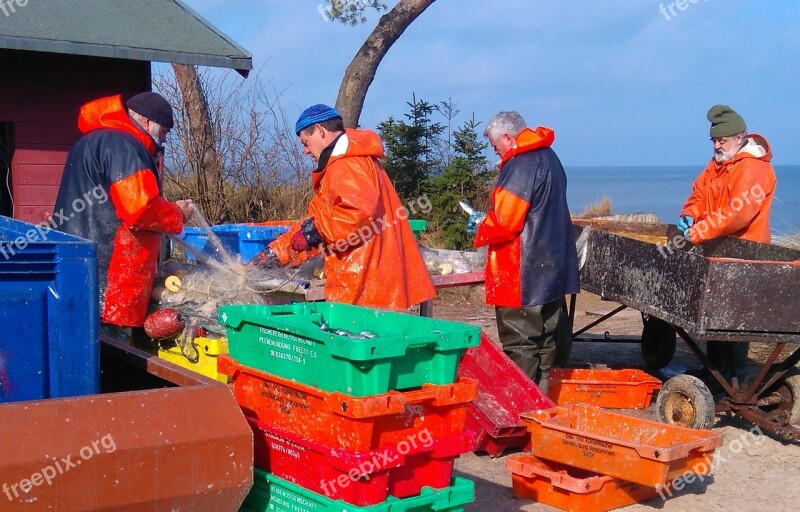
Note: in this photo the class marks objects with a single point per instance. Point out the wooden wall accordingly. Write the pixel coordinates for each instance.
(40, 94)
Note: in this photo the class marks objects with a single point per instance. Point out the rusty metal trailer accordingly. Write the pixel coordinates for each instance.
(726, 290)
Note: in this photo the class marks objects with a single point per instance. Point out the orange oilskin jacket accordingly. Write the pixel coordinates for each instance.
(111, 193)
(371, 257)
(733, 198)
(531, 258)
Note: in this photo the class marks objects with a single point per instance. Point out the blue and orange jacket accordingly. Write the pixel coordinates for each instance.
(111, 193)
(531, 258)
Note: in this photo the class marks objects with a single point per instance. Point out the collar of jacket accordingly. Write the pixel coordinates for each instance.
(529, 140)
(109, 112)
(325, 154)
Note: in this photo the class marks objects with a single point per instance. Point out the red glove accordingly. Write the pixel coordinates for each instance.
(306, 237)
(299, 242)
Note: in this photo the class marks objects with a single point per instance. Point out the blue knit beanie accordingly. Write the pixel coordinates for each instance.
(314, 114)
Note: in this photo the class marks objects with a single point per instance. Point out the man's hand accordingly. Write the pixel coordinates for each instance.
(306, 237)
(299, 242)
(473, 221)
(684, 223)
(266, 259)
(187, 208)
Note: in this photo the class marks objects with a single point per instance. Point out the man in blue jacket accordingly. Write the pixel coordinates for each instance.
(531, 262)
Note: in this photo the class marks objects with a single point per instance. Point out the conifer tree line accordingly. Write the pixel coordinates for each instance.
(426, 156)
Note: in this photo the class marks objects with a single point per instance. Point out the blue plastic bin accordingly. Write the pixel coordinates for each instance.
(198, 238)
(49, 312)
(244, 240)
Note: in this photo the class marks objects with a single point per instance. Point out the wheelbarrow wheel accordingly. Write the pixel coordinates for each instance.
(658, 342)
(789, 391)
(685, 401)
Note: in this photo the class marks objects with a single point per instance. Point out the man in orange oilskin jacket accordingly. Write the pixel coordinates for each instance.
(355, 219)
(731, 197)
(531, 261)
(111, 193)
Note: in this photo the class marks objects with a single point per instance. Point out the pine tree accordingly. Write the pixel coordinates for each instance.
(410, 148)
(465, 178)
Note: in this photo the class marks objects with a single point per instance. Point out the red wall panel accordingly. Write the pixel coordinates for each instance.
(42, 102)
(36, 195)
(36, 174)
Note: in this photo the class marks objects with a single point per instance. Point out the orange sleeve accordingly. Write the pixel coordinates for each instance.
(283, 248)
(140, 205)
(505, 221)
(352, 200)
(695, 205)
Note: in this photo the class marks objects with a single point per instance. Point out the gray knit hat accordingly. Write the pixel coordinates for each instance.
(725, 121)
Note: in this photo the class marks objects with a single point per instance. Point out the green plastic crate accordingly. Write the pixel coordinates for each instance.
(273, 494)
(406, 351)
(418, 225)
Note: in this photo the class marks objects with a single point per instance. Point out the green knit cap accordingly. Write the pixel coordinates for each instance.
(725, 121)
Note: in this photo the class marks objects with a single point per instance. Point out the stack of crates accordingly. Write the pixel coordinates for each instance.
(586, 459)
(352, 409)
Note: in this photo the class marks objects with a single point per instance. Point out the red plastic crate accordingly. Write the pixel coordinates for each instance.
(570, 488)
(491, 439)
(352, 423)
(616, 389)
(359, 478)
(494, 415)
(633, 449)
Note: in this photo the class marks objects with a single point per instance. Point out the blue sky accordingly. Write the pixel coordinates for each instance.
(622, 82)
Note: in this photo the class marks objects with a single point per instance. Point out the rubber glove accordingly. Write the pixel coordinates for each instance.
(473, 221)
(306, 237)
(266, 259)
(299, 242)
(684, 223)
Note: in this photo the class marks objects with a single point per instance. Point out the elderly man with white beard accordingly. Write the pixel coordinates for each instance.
(731, 197)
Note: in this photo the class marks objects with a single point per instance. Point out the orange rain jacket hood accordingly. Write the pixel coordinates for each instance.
(371, 257)
(116, 160)
(733, 198)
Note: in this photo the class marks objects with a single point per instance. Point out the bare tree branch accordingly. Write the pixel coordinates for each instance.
(258, 171)
(359, 74)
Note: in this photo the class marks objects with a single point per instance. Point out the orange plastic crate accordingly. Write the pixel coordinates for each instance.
(344, 421)
(632, 449)
(616, 389)
(569, 488)
(273, 223)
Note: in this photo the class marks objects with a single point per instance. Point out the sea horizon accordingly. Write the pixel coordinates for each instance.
(663, 190)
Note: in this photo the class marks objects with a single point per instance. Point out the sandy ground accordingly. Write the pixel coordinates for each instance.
(755, 471)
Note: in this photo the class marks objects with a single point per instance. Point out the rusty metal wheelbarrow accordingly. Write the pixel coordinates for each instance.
(726, 290)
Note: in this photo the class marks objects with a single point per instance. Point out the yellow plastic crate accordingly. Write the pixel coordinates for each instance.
(207, 350)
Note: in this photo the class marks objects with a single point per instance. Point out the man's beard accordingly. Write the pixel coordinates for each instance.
(725, 156)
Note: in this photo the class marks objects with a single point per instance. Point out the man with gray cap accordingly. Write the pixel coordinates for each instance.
(731, 197)
(111, 193)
